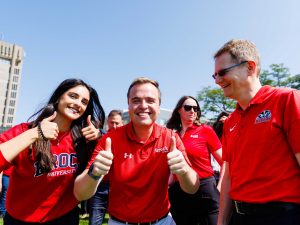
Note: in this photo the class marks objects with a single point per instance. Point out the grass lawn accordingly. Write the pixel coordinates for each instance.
(82, 221)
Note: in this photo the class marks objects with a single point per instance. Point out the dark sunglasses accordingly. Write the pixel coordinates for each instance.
(223, 72)
(188, 108)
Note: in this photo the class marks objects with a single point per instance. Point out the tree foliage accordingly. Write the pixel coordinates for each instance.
(213, 101)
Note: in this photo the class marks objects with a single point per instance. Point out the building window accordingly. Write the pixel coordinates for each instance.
(10, 119)
(15, 79)
(13, 94)
(11, 111)
(12, 103)
(14, 87)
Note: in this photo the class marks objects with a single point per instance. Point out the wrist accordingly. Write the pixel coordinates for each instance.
(91, 175)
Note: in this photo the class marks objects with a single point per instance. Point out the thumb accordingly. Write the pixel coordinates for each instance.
(172, 144)
(89, 122)
(52, 117)
(108, 144)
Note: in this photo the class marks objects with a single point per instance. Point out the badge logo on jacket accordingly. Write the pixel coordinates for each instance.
(263, 117)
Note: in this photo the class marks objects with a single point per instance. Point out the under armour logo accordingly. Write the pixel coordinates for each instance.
(127, 155)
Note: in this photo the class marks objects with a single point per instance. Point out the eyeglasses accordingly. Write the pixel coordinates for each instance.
(188, 108)
(223, 72)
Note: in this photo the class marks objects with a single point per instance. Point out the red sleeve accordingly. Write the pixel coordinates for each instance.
(4, 164)
(213, 140)
(180, 147)
(291, 122)
(7, 135)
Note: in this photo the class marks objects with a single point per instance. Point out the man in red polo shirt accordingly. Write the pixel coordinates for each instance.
(139, 158)
(261, 146)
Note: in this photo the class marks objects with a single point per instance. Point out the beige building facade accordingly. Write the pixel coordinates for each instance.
(11, 62)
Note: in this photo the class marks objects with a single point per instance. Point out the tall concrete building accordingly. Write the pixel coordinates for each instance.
(11, 62)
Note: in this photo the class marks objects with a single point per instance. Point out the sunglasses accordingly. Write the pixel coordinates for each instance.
(188, 108)
(223, 72)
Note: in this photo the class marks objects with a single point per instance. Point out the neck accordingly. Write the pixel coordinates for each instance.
(143, 133)
(185, 126)
(63, 124)
(245, 99)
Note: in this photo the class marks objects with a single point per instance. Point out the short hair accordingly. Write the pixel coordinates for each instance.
(115, 112)
(240, 50)
(144, 80)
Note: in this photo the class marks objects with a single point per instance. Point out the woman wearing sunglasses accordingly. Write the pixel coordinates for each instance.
(200, 142)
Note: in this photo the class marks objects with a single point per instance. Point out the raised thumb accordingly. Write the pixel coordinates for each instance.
(52, 117)
(108, 144)
(88, 120)
(172, 144)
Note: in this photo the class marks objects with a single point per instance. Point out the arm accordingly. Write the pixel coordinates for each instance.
(298, 157)
(187, 177)
(225, 200)
(13, 147)
(218, 156)
(85, 186)
(10, 149)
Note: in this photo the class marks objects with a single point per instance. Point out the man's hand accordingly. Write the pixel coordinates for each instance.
(176, 161)
(103, 160)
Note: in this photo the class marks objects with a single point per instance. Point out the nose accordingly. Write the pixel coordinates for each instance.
(218, 79)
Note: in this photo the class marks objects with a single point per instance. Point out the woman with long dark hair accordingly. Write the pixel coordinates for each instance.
(200, 142)
(48, 153)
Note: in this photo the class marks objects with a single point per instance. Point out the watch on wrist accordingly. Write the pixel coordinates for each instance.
(90, 173)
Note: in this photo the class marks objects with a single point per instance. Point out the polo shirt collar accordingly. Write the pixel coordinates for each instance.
(156, 132)
(261, 96)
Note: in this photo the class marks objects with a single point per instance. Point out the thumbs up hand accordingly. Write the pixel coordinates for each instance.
(176, 160)
(49, 128)
(90, 132)
(103, 160)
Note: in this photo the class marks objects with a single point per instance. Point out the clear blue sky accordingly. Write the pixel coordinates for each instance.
(109, 43)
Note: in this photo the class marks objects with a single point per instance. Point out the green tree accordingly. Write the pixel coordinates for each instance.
(214, 102)
(279, 76)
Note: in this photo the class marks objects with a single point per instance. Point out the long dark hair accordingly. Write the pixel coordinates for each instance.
(175, 122)
(42, 149)
(218, 125)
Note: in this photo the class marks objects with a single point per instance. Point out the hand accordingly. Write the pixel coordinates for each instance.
(90, 132)
(49, 128)
(103, 160)
(176, 161)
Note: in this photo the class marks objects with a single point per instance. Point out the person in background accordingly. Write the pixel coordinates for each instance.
(5, 182)
(48, 153)
(138, 157)
(218, 124)
(218, 128)
(99, 202)
(200, 142)
(261, 147)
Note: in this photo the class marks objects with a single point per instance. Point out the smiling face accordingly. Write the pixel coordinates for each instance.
(234, 83)
(73, 103)
(143, 104)
(190, 115)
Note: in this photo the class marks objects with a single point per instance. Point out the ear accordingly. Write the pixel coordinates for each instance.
(252, 67)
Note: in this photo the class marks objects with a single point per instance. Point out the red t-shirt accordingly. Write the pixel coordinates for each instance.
(36, 197)
(200, 142)
(260, 143)
(139, 173)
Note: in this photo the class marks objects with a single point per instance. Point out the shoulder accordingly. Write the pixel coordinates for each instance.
(14, 131)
